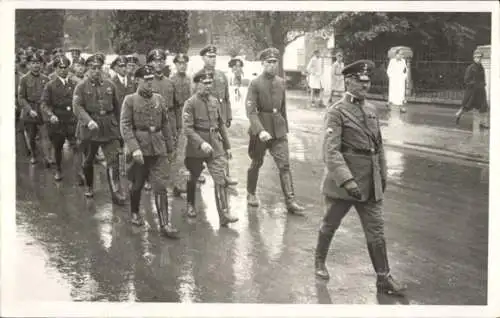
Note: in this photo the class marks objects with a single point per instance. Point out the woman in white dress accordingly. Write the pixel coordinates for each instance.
(314, 72)
(337, 79)
(397, 73)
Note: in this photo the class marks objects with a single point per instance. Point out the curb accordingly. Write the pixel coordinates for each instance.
(440, 152)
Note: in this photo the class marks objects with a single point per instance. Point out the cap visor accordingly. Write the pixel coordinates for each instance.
(206, 81)
(150, 76)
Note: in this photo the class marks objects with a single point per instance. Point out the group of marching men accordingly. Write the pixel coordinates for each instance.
(155, 123)
(162, 123)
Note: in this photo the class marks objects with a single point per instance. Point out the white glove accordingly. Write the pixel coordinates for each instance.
(265, 136)
(137, 155)
(54, 119)
(206, 147)
(92, 125)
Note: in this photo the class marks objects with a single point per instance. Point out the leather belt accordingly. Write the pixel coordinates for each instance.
(273, 111)
(102, 112)
(366, 152)
(211, 129)
(149, 129)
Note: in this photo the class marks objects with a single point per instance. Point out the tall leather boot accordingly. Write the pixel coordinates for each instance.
(88, 172)
(252, 177)
(287, 187)
(229, 180)
(221, 200)
(135, 200)
(190, 198)
(77, 160)
(322, 247)
(114, 186)
(164, 216)
(385, 282)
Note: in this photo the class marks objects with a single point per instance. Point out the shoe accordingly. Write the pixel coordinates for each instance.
(252, 200)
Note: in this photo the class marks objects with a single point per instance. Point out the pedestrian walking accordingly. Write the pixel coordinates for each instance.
(337, 79)
(266, 111)
(207, 142)
(30, 90)
(95, 104)
(144, 126)
(475, 92)
(182, 92)
(56, 104)
(355, 174)
(236, 66)
(220, 90)
(314, 71)
(397, 73)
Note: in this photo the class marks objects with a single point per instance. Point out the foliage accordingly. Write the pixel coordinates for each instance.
(141, 31)
(82, 25)
(32, 28)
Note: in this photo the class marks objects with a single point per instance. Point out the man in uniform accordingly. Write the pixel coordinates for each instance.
(220, 90)
(75, 53)
(144, 128)
(207, 141)
(182, 92)
(78, 70)
(95, 104)
(132, 64)
(50, 68)
(355, 173)
(56, 104)
(29, 91)
(266, 110)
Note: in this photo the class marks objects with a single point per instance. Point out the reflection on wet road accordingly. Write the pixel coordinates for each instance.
(436, 214)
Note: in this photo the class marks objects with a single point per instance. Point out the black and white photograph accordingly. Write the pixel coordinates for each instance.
(314, 154)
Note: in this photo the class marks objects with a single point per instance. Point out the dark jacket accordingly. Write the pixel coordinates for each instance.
(29, 95)
(475, 92)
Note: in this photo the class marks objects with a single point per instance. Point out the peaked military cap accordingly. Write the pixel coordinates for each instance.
(20, 51)
(210, 50)
(57, 51)
(181, 57)
(79, 60)
(233, 62)
(156, 54)
(120, 60)
(145, 72)
(75, 49)
(96, 58)
(132, 58)
(269, 54)
(35, 57)
(478, 54)
(30, 50)
(61, 60)
(360, 69)
(203, 76)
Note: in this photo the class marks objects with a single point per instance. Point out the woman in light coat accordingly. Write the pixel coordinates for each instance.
(337, 79)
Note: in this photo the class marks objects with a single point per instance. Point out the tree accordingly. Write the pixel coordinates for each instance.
(277, 28)
(88, 29)
(141, 31)
(39, 28)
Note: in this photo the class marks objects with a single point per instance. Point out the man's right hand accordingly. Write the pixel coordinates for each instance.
(137, 155)
(53, 119)
(352, 188)
(206, 147)
(92, 125)
(264, 136)
(33, 113)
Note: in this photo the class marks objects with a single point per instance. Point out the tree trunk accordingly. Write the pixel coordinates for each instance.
(93, 39)
(278, 35)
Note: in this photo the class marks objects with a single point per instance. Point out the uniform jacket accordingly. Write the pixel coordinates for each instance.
(89, 100)
(475, 83)
(18, 76)
(29, 95)
(200, 114)
(121, 90)
(138, 115)
(165, 87)
(182, 92)
(220, 90)
(57, 99)
(349, 128)
(266, 106)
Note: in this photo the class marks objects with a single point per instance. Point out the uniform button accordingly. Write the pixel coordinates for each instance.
(275, 110)
(372, 150)
(68, 108)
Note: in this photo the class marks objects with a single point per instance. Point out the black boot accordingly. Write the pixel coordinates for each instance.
(58, 175)
(385, 282)
(190, 198)
(221, 201)
(322, 247)
(167, 229)
(135, 200)
(287, 187)
(114, 186)
(88, 172)
(252, 177)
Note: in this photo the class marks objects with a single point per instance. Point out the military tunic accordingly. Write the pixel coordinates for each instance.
(29, 96)
(353, 150)
(203, 122)
(57, 100)
(220, 90)
(164, 86)
(144, 125)
(121, 90)
(475, 92)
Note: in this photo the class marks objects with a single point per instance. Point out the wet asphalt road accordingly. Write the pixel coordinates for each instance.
(436, 213)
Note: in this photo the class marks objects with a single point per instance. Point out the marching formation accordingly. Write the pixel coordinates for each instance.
(161, 125)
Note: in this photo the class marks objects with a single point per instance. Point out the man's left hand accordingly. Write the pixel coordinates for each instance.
(228, 123)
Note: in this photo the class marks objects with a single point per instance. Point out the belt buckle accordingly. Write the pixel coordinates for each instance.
(152, 128)
(68, 108)
(372, 151)
(275, 110)
(211, 129)
(102, 112)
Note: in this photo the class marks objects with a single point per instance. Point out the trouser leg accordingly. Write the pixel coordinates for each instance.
(195, 167)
